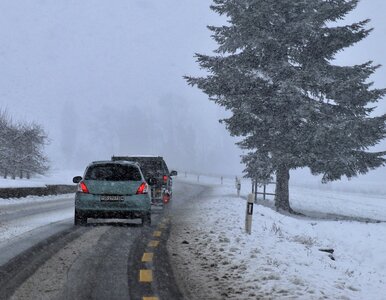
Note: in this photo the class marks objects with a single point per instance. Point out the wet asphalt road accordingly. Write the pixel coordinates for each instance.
(103, 260)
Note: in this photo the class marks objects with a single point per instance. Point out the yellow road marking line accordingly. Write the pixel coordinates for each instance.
(153, 243)
(157, 233)
(150, 298)
(147, 257)
(145, 275)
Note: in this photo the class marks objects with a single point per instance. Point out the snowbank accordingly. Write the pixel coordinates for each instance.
(215, 259)
(52, 178)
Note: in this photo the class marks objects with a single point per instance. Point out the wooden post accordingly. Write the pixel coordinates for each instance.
(264, 191)
(255, 190)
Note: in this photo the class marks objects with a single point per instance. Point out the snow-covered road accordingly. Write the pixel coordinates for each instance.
(102, 260)
(23, 222)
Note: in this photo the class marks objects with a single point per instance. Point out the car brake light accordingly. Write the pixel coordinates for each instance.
(82, 187)
(166, 198)
(165, 178)
(143, 188)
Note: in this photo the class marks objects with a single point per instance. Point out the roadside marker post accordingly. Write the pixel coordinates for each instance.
(248, 215)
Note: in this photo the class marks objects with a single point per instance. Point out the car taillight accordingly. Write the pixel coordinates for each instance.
(166, 198)
(165, 178)
(143, 188)
(82, 187)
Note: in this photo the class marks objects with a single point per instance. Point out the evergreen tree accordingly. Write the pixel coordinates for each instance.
(258, 167)
(273, 69)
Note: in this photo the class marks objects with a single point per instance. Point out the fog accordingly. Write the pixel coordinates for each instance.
(105, 77)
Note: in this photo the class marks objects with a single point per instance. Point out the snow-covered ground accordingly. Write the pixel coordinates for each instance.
(52, 177)
(19, 202)
(281, 258)
(355, 198)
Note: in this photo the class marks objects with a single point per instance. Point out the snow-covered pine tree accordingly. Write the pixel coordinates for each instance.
(258, 167)
(274, 71)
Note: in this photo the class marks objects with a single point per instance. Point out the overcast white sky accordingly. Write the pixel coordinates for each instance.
(105, 77)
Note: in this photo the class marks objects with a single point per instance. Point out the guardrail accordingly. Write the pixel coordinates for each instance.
(37, 191)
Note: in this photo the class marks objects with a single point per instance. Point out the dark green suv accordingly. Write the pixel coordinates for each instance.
(155, 167)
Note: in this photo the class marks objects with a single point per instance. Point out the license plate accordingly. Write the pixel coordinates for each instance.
(111, 198)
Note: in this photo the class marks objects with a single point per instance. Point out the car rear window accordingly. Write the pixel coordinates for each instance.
(150, 166)
(113, 172)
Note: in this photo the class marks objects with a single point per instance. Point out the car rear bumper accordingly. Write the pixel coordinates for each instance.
(111, 214)
(91, 204)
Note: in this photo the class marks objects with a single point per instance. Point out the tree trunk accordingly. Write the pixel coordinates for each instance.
(282, 189)
(5, 174)
(28, 175)
(21, 174)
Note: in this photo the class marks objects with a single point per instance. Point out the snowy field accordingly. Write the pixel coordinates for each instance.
(53, 177)
(357, 198)
(281, 258)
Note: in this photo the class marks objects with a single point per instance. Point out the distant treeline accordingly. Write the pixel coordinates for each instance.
(21, 148)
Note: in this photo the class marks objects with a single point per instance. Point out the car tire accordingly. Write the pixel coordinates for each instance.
(146, 219)
(79, 219)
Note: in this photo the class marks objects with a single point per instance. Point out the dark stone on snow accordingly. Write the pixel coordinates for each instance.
(327, 250)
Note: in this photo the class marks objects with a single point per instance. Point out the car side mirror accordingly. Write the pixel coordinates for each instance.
(173, 173)
(152, 181)
(77, 179)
